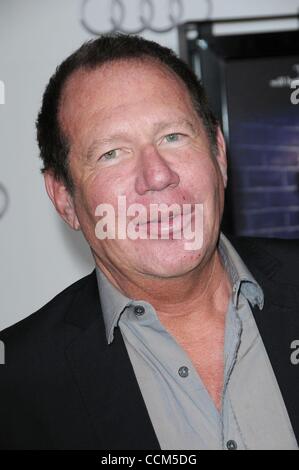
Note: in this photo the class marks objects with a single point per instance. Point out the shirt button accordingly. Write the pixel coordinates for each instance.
(231, 445)
(139, 310)
(183, 371)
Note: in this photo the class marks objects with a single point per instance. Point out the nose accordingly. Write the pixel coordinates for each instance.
(154, 173)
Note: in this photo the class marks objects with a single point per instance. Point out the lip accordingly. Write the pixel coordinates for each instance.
(167, 218)
(171, 225)
(163, 216)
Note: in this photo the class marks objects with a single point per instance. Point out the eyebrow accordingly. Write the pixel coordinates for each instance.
(93, 146)
(158, 127)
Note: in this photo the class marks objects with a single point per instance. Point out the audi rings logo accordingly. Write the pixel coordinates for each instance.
(3, 200)
(144, 14)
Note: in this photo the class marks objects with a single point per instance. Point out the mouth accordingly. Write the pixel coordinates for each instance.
(166, 223)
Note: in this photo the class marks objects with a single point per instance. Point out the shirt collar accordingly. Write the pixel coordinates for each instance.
(242, 280)
(114, 302)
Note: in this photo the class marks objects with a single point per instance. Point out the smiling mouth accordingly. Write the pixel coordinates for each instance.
(167, 223)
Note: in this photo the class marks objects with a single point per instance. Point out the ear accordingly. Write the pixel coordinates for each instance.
(221, 155)
(62, 200)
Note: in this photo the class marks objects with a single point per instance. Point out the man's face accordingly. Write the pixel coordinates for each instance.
(133, 132)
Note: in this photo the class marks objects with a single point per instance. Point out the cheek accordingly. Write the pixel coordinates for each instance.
(200, 178)
(104, 188)
(88, 197)
(99, 190)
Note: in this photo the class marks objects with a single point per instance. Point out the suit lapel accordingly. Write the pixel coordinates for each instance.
(105, 377)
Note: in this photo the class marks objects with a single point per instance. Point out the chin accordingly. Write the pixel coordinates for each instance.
(169, 262)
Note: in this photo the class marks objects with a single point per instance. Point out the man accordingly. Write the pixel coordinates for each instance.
(160, 347)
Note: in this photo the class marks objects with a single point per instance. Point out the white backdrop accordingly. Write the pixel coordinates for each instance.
(39, 254)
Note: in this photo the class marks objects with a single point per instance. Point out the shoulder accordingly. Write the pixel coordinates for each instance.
(276, 246)
(47, 318)
(34, 348)
(277, 258)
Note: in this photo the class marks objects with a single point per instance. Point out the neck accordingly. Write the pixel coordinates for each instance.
(203, 291)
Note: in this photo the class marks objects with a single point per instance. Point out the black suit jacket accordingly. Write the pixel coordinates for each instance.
(63, 387)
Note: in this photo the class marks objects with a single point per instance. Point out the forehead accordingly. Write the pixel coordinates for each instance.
(118, 85)
(123, 73)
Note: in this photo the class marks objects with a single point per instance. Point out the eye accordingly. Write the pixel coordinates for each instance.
(109, 155)
(173, 137)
